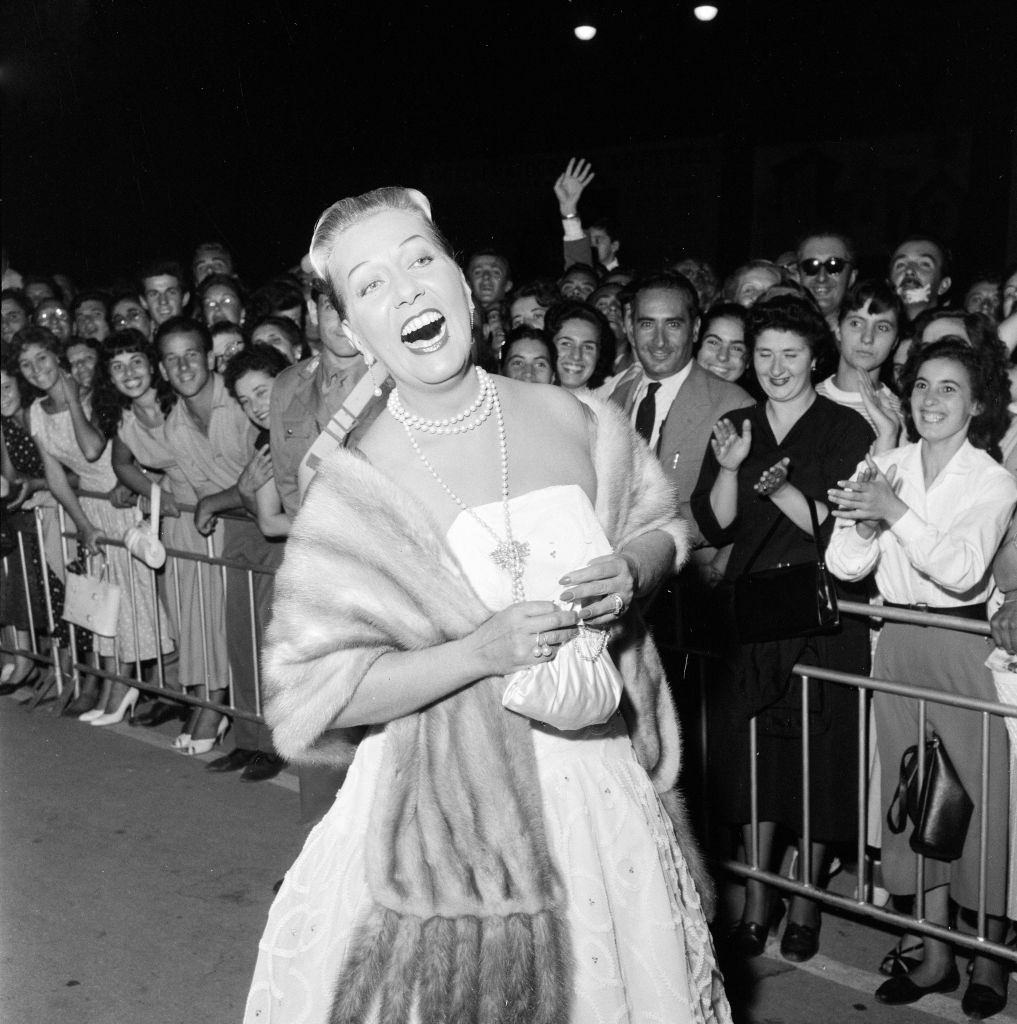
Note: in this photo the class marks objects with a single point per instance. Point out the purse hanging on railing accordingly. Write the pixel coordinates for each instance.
(580, 687)
(787, 600)
(940, 812)
(143, 541)
(92, 602)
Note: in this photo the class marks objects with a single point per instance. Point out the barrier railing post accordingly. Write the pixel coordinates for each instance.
(983, 831)
(252, 608)
(805, 854)
(920, 861)
(754, 793)
(864, 868)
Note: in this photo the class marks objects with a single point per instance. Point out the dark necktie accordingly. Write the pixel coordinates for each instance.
(647, 412)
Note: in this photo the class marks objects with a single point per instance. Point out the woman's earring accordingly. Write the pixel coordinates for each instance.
(370, 360)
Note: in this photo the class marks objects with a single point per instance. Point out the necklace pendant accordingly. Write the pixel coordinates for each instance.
(510, 554)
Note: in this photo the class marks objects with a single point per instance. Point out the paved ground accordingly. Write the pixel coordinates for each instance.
(134, 886)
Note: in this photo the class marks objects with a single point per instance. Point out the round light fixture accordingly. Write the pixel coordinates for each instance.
(585, 32)
(705, 12)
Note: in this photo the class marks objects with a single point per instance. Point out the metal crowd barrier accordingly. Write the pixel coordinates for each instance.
(56, 665)
(860, 906)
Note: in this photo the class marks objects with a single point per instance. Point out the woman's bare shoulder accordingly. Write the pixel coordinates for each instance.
(544, 403)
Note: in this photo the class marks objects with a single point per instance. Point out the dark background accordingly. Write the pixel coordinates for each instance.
(135, 129)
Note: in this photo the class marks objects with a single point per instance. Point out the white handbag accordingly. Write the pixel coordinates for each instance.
(92, 602)
(580, 687)
(143, 541)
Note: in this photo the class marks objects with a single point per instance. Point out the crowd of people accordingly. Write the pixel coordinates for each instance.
(788, 401)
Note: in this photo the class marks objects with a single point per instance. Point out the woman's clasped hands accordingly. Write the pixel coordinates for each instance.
(870, 499)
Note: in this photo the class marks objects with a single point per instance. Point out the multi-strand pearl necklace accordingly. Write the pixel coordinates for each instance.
(459, 424)
(508, 554)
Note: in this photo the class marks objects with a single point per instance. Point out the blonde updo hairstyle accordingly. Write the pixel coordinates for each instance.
(344, 214)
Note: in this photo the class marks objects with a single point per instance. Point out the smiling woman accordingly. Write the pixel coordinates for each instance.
(479, 519)
(766, 464)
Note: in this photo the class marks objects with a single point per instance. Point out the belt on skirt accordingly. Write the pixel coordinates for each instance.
(961, 611)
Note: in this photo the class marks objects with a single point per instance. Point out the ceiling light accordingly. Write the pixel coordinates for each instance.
(585, 32)
(705, 12)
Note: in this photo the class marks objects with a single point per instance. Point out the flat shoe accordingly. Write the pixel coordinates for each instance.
(160, 712)
(800, 942)
(748, 939)
(899, 961)
(261, 767)
(900, 990)
(980, 1001)
(78, 706)
(232, 762)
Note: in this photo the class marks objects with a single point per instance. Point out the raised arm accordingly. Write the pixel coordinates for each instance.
(568, 189)
(90, 439)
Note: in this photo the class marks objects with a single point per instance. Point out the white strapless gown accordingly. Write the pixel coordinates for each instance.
(642, 948)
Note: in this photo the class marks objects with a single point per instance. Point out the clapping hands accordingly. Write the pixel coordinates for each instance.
(730, 447)
(870, 499)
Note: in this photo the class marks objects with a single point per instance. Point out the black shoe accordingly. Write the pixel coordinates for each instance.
(800, 942)
(900, 990)
(233, 761)
(748, 939)
(262, 767)
(980, 1001)
(160, 712)
(78, 706)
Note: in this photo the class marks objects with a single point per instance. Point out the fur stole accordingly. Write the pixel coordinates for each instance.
(468, 905)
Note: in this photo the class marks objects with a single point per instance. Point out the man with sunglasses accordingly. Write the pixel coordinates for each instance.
(826, 266)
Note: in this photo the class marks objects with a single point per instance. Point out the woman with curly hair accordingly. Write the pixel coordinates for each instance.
(928, 517)
(132, 403)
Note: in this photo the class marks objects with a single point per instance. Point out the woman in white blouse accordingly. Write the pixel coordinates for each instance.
(928, 518)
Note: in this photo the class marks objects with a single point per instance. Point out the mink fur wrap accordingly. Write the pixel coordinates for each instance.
(468, 918)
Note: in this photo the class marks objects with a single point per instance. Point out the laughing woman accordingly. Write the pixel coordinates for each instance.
(478, 864)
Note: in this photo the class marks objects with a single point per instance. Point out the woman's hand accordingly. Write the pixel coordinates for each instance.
(885, 422)
(870, 499)
(256, 474)
(730, 447)
(773, 479)
(66, 388)
(521, 636)
(24, 489)
(596, 585)
(121, 496)
(205, 520)
(571, 183)
(88, 539)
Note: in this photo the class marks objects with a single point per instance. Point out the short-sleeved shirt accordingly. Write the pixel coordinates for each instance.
(211, 462)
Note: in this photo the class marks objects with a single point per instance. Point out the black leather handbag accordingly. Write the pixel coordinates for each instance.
(788, 600)
(940, 811)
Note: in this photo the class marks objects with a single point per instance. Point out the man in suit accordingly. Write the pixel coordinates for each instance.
(670, 399)
(674, 403)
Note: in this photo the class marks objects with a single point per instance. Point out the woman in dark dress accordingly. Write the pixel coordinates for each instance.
(764, 462)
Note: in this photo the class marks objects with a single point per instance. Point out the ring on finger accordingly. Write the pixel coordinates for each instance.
(619, 604)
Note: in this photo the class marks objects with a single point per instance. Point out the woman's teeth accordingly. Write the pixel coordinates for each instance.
(423, 332)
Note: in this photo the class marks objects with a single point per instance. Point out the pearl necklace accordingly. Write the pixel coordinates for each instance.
(450, 424)
(508, 554)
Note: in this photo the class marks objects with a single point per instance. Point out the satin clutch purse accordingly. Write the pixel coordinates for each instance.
(580, 687)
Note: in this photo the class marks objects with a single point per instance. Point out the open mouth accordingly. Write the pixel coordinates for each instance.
(425, 332)
(779, 382)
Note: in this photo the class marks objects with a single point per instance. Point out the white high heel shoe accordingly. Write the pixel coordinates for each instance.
(126, 707)
(91, 716)
(205, 746)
